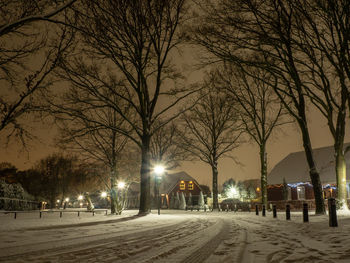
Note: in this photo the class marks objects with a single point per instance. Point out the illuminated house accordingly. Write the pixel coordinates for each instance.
(295, 171)
(170, 185)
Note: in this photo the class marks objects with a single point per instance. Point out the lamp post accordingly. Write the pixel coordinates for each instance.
(158, 170)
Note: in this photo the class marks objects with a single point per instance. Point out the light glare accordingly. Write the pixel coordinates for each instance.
(159, 169)
(121, 185)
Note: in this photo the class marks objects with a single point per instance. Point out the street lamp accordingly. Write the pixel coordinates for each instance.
(103, 194)
(158, 170)
(80, 197)
(121, 185)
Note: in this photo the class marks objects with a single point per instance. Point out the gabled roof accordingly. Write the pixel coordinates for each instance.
(169, 181)
(294, 167)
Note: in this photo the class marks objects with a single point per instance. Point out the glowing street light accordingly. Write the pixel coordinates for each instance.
(159, 169)
(103, 194)
(121, 185)
(58, 201)
(67, 199)
(80, 197)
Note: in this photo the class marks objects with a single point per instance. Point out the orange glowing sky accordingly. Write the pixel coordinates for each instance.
(280, 145)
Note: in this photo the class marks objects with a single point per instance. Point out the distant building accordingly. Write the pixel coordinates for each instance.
(169, 186)
(294, 170)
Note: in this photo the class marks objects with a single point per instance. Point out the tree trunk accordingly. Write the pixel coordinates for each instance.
(113, 194)
(340, 168)
(263, 170)
(314, 175)
(341, 178)
(145, 187)
(214, 168)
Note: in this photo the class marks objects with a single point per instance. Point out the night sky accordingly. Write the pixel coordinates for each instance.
(284, 141)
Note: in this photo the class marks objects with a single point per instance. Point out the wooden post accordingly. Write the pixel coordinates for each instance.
(78, 213)
(305, 213)
(332, 212)
(274, 210)
(60, 213)
(40, 214)
(256, 210)
(263, 210)
(15, 215)
(287, 212)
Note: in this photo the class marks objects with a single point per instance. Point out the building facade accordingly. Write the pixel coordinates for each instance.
(289, 180)
(171, 186)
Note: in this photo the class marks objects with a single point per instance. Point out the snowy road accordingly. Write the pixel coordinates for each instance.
(174, 236)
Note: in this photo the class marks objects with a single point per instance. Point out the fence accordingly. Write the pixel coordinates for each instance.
(60, 213)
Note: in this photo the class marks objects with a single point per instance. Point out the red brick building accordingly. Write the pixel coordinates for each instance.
(289, 179)
(170, 185)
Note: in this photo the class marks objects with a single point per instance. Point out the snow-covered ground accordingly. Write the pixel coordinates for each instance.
(174, 236)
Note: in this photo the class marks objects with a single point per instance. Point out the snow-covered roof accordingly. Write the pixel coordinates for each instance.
(294, 167)
(169, 181)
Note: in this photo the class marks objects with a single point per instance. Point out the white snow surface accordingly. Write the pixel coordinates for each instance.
(173, 236)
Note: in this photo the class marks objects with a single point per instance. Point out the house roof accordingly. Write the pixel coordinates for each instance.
(294, 167)
(169, 181)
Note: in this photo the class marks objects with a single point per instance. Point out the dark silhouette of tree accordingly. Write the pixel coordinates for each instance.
(165, 149)
(322, 41)
(260, 109)
(91, 129)
(211, 129)
(28, 54)
(127, 51)
(259, 34)
(58, 176)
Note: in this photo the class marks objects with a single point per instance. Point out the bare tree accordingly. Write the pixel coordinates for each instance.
(211, 129)
(165, 149)
(132, 41)
(260, 109)
(318, 40)
(260, 35)
(56, 171)
(27, 57)
(90, 127)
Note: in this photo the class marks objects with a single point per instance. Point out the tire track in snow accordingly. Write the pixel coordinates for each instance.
(280, 244)
(68, 244)
(203, 253)
(114, 248)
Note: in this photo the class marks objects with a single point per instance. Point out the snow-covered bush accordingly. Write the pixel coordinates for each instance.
(177, 201)
(13, 197)
(182, 201)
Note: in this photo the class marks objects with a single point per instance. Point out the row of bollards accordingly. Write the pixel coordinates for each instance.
(332, 212)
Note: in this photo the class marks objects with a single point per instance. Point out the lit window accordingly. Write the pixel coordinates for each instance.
(182, 185)
(190, 185)
(301, 192)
